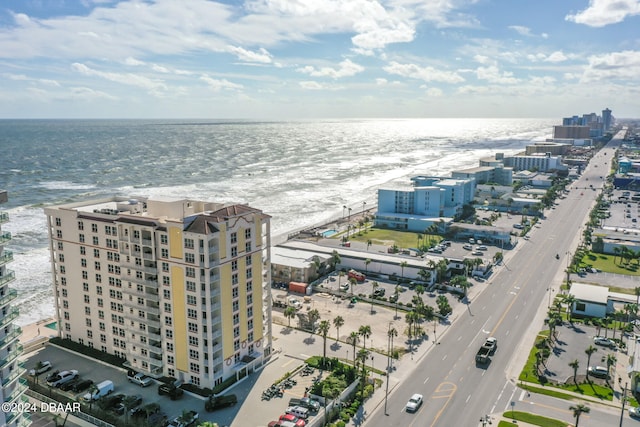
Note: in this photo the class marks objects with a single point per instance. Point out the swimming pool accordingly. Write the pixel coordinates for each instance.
(329, 233)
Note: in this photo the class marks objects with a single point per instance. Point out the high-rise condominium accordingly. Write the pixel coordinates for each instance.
(176, 287)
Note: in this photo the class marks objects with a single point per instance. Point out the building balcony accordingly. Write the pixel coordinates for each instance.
(138, 267)
(5, 237)
(6, 382)
(147, 242)
(12, 336)
(148, 256)
(146, 308)
(7, 277)
(9, 317)
(18, 391)
(4, 217)
(13, 355)
(8, 297)
(142, 281)
(6, 257)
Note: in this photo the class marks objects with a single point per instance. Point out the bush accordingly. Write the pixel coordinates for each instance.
(204, 392)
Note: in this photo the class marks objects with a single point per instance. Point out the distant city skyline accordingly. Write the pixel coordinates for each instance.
(306, 59)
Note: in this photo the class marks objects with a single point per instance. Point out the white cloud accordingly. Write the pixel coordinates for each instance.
(311, 85)
(133, 62)
(482, 59)
(623, 65)
(427, 74)
(381, 81)
(217, 85)
(604, 12)
(434, 92)
(261, 56)
(87, 94)
(523, 31)
(346, 68)
(556, 56)
(155, 87)
(492, 74)
(542, 80)
(160, 69)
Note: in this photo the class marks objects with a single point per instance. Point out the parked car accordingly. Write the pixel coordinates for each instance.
(604, 342)
(634, 412)
(62, 377)
(81, 385)
(414, 403)
(598, 371)
(481, 248)
(40, 368)
(344, 287)
(467, 247)
(139, 378)
(393, 298)
(298, 422)
(170, 389)
(477, 253)
(68, 386)
(379, 292)
(135, 402)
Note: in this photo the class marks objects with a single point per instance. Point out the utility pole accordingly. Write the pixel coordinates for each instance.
(624, 399)
(386, 392)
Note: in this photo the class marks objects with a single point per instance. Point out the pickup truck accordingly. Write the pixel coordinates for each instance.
(217, 402)
(139, 378)
(487, 349)
(171, 389)
(305, 402)
(186, 419)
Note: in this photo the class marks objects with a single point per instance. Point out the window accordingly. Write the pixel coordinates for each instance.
(63, 281)
(62, 269)
(87, 311)
(58, 222)
(165, 267)
(167, 307)
(83, 263)
(168, 321)
(191, 286)
(64, 293)
(234, 279)
(100, 314)
(247, 233)
(83, 250)
(61, 257)
(236, 332)
(194, 354)
(94, 228)
(249, 286)
(166, 293)
(188, 243)
(193, 327)
(234, 265)
(87, 322)
(96, 253)
(234, 237)
(81, 238)
(250, 324)
(95, 240)
(166, 280)
(99, 278)
(192, 314)
(164, 253)
(86, 299)
(236, 319)
(164, 239)
(247, 247)
(249, 273)
(234, 292)
(193, 340)
(59, 234)
(250, 311)
(236, 345)
(170, 347)
(235, 305)
(168, 333)
(101, 326)
(103, 338)
(194, 367)
(249, 299)
(247, 260)
(80, 225)
(60, 246)
(100, 302)
(96, 265)
(190, 258)
(190, 272)
(85, 275)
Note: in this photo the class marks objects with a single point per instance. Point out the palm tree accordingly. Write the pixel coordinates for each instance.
(323, 329)
(637, 291)
(335, 259)
(289, 313)
(363, 356)
(128, 402)
(93, 389)
(338, 322)
(354, 338)
(397, 292)
(578, 410)
(429, 314)
(352, 281)
(365, 332)
(590, 350)
(441, 269)
(340, 276)
(424, 275)
(611, 360)
(570, 300)
(366, 265)
(313, 316)
(391, 334)
(403, 264)
(575, 365)
(375, 286)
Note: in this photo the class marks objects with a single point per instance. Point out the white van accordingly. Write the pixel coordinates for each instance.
(298, 411)
(102, 389)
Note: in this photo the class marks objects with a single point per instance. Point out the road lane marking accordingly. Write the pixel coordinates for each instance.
(449, 396)
(425, 381)
(468, 397)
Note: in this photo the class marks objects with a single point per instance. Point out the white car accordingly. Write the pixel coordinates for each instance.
(42, 367)
(477, 253)
(414, 403)
(598, 371)
(62, 377)
(634, 412)
(604, 342)
(467, 247)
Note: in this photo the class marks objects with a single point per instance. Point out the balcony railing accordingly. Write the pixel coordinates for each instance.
(21, 387)
(14, 375)
(10, 317)
(6, 257)
(13, 355)
(10, 337)
(8, 297)
(7, 277)
(5, 237)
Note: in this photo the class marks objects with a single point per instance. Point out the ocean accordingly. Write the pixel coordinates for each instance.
(300, 172)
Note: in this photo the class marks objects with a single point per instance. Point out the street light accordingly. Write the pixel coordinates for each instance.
(390, 335)
(343, 209)
(624, 398)
(363, 205)
(349, 217)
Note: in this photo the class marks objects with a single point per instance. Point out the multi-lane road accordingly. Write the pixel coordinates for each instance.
(511, 308)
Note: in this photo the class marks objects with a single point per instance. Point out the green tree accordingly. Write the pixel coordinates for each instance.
(363, 356)
(352, 282)
(611, 360)
(338, 322)
(340, 276)
(313, 316)
(461, 282)
(365, 332)
(375, 286)
(578, 410)
(335, 259)
(443, 305)
(128, 402)
(403, 264)
(366, 265)
(323, 329)
(575, 365)
(569, 300)
(354, 337)
(290, 313)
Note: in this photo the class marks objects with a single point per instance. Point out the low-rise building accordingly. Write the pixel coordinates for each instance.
(591, 300)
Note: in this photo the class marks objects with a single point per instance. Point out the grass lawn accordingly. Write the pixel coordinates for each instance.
(536, 420)
(382, 236)
(605, 263)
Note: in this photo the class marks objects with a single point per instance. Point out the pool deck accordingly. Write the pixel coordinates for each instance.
(34, 335)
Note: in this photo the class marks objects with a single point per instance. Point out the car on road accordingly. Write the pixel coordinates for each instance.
(414, 403)
(598, 371)
(40, 368)
(606, 342)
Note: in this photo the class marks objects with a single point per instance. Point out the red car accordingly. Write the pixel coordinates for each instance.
(299, 422)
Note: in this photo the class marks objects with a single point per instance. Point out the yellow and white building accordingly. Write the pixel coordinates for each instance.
(177, 287)
(12, 387)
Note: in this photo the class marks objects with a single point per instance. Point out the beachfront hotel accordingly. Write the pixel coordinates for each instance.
(12, 387)
(176, 287)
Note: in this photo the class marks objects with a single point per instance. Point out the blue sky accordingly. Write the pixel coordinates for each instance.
(291, 59)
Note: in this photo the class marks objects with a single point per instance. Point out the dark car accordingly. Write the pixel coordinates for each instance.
(81, 385)
(379, 292)
(131, 401)
(110, 401)
(170, 389)
(68, 386)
